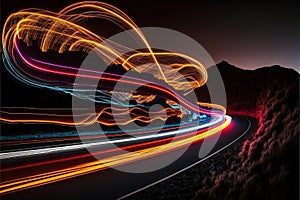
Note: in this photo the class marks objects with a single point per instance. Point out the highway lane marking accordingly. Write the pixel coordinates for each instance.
(188, 167)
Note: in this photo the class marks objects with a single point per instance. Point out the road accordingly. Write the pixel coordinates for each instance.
(113, 184)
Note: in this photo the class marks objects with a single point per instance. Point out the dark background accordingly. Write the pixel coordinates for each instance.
(248, 35)
(266, 164)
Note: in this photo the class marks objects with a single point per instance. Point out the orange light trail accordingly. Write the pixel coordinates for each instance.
(65, 31)
(78, 170)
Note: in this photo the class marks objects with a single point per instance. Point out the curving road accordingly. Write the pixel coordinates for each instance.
(113, 184)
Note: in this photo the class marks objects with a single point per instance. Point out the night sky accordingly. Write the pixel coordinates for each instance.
(248, 35)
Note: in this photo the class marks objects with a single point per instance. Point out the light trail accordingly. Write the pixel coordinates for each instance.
(53, 176)
(63, 32)
(33, 152)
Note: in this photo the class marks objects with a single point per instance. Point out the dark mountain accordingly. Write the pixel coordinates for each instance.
(244, 87)
(263, 166)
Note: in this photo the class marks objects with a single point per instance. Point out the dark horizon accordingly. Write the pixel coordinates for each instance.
(247, 35)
